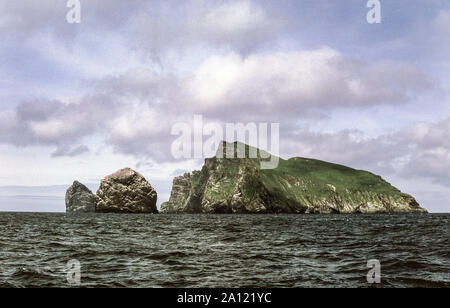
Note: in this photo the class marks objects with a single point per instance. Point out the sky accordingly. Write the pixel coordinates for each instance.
(80, 101)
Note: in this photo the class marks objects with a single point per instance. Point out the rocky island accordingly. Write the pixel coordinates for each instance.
(240, 185)
(79, 198)
(125, 191)
(297, 185)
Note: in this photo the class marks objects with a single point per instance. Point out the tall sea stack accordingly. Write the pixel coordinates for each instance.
(79, 199)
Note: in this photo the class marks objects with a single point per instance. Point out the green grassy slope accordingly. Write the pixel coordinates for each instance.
(297, 185)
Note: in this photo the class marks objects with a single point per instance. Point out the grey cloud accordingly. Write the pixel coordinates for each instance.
(25, 18)
(241, 25)
(56, 123)
(151, 27)
(420, 150)
(134, 111)
(64, 150)
(142, 84)
(128, 113)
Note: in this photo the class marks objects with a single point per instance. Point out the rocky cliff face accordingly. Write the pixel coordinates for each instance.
(79, 199)
(297, 185)
(126, 191)
(181, 187)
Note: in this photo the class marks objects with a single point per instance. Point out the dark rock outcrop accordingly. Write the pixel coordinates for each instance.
(297, 185)
(181, 187)
(126, 191)
(79, 199)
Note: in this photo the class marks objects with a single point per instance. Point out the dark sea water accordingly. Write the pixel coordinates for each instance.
(224, 250)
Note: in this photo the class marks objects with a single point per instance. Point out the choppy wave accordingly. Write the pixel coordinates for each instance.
(224, 250)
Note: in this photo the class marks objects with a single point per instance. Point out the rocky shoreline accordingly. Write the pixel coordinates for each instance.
(241, 186)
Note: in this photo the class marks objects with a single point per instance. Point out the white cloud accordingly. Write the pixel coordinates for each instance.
(52, 129)
(294, 82)
(234, 17)
(242, 24)
(134, 111)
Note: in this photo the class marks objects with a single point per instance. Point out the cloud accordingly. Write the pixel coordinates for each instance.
(133, 112)
(153, 28)
(142, 132)
(293, 83)
(126, 112)
(70, 151)
(25, 18)
(244, 25)
(22, 16)
(421, 150)
(55, 123)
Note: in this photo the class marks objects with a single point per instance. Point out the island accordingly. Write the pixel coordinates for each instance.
(298, 186)
(240, 185)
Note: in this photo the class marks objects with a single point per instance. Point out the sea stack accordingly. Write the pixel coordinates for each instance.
(297, 185)
(79, 199)
(181, 187)
(126, 191)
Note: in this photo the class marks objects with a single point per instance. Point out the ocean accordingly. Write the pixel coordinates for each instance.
(255, 251)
